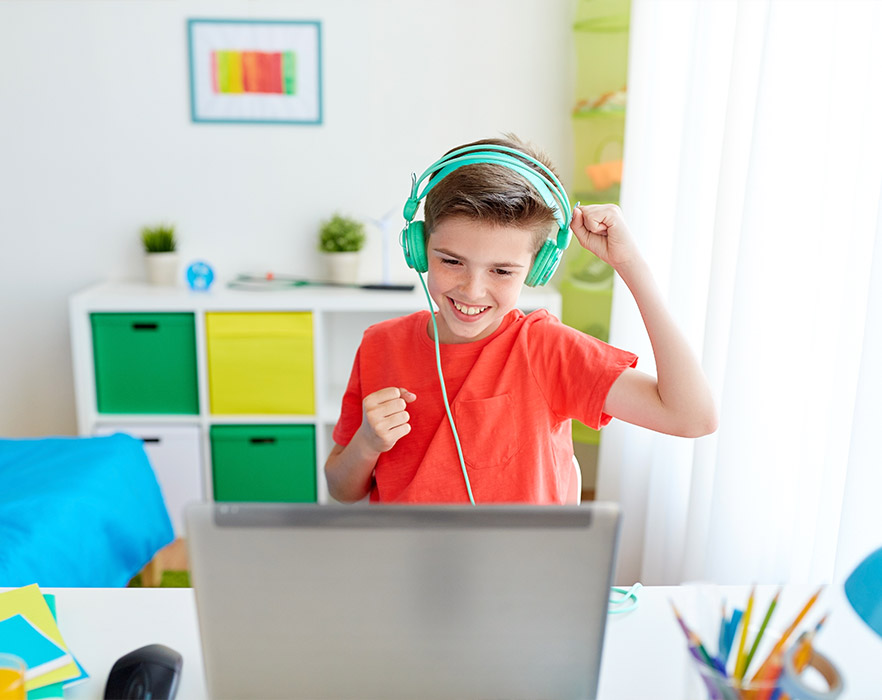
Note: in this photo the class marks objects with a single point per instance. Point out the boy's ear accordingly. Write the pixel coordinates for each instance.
(413, 241)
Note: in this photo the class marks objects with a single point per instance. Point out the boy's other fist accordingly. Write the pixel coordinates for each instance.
(601, 229)
(385, 419)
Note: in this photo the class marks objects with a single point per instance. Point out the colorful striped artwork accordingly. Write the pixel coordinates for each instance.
(265, 72)
(255, 71)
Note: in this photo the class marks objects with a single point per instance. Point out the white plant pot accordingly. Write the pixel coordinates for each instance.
(162, 268)
(341, 267)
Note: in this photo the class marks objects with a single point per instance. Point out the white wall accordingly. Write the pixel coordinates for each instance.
(96, 141)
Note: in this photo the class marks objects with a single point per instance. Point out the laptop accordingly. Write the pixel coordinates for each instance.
(372, 601)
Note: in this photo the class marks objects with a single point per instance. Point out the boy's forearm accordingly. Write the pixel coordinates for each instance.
(349, 471)
(682, 386)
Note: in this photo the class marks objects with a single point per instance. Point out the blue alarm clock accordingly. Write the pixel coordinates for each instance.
(200, 276)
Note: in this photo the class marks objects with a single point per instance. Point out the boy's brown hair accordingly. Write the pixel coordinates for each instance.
(493, 194)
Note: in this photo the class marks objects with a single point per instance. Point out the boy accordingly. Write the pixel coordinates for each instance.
(514, 382)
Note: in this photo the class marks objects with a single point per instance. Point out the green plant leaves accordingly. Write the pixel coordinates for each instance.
(341, 235)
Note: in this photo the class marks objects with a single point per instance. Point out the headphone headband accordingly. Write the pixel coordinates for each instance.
(543, 180)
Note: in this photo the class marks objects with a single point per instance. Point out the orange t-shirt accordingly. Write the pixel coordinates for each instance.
(512, 396)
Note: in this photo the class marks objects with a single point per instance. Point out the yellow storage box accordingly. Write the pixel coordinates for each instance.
(260, 363)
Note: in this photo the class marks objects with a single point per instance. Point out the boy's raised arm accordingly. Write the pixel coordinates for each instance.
(679, 400)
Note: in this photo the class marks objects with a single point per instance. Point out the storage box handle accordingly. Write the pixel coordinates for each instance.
(151, 439)
(262, 440)
(145, 326)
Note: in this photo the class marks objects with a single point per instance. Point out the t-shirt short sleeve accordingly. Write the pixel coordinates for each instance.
(575, 371)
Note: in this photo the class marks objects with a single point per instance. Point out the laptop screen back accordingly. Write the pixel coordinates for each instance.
(306, 601)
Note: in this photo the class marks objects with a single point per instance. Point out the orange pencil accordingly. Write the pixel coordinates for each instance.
(784, 637)
(804, 651)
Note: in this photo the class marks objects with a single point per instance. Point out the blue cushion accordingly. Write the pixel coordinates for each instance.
(78, 511)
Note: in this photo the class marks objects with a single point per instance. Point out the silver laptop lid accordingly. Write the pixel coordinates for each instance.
(308, 601)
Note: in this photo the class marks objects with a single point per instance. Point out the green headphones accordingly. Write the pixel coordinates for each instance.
(413, 240)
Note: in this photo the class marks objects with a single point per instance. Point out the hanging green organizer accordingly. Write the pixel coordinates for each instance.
(600, 36)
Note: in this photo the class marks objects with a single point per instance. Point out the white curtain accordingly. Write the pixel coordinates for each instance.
(752, 180)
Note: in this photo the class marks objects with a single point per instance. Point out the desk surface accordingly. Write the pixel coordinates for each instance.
(644, 652)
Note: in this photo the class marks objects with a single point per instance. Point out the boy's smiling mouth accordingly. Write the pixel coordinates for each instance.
(468, 310)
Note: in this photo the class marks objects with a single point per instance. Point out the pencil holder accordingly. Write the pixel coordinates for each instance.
(786, 680)
(716, 686)
(780, 662)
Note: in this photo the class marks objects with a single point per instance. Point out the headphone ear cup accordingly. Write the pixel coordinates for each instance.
(547, 260)
(414, 245)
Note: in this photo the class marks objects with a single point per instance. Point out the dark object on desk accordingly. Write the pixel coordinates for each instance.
(149, 673)
(271, 282)
(389, 286)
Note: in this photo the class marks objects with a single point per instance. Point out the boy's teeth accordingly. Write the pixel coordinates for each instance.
(470, 310)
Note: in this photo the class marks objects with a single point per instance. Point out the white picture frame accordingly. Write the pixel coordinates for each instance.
(255, 71)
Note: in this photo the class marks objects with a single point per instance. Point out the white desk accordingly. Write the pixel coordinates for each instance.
(644, 653)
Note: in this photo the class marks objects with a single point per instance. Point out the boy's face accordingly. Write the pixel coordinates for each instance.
(475, 276)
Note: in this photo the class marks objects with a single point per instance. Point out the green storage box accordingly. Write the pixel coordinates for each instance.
(145, 362)
(271, 463)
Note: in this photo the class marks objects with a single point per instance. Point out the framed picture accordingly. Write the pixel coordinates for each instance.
(255, 71)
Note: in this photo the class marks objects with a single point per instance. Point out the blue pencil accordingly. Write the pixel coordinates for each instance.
(732, 628)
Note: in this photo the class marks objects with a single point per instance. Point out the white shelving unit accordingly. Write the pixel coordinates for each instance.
(339, 318)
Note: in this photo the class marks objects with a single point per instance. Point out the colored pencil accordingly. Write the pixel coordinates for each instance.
(762, 629)
(731, 629)
(804, 650)
(695, 641)
(683, 626)
(784, 637)
(716, 686)
(740, 656)
(769, 679)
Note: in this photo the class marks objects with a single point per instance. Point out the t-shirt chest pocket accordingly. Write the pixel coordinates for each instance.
(488, 431)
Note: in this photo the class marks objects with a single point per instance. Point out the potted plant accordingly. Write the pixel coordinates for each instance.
(340, 240)
(160, 249)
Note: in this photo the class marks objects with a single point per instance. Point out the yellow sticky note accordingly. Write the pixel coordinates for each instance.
(29, 602)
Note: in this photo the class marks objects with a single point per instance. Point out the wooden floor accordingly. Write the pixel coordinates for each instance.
(171, 558)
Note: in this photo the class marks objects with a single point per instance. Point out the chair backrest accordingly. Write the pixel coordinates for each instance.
(574, 492)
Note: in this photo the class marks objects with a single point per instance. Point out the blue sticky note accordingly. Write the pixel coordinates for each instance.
(40, 654)
(54, 690)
